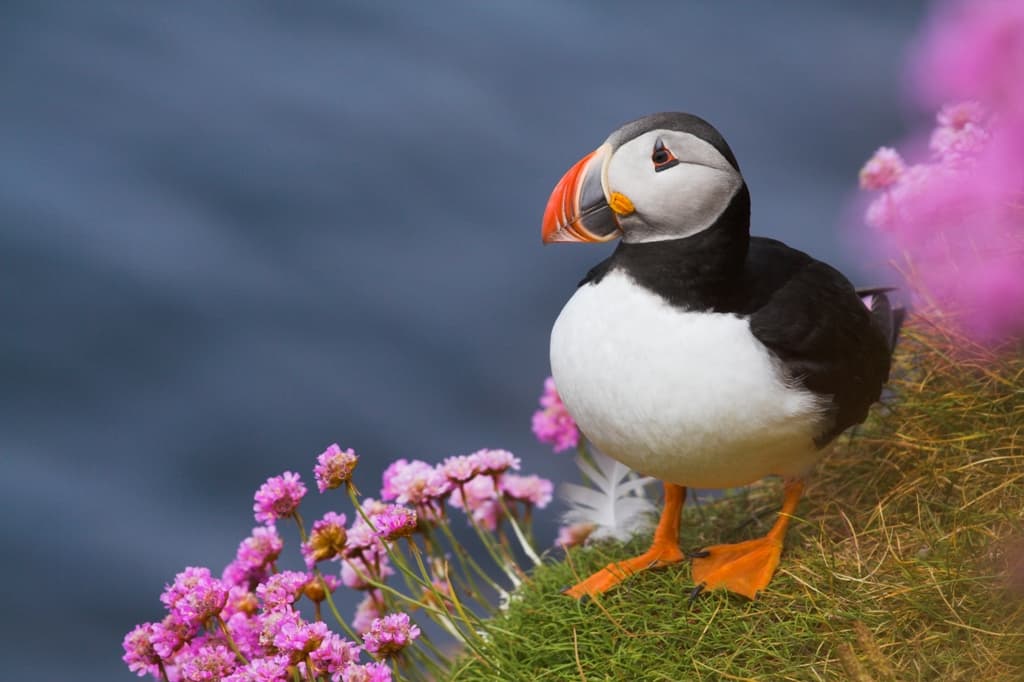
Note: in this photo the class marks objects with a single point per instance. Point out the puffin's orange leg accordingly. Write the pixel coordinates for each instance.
(747, 567)
(664, 550)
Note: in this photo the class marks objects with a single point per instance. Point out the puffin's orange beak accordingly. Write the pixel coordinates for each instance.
(577, 210)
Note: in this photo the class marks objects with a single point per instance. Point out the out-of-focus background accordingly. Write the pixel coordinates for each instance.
(233, 233)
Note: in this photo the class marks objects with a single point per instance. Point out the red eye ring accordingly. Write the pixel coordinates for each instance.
(662, 157)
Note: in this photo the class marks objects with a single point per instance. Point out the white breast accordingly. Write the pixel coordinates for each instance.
(688, 397)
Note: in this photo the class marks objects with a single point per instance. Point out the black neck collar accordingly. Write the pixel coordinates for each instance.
(700, 272)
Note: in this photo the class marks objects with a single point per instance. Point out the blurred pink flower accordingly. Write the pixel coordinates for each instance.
(956, 220)
(973, 50)
(882, 170)
(367, 672)
(415, 482)
(496, 462)
(369, 609)
(961, 133)
(279, 497)
(480, 500)
(460, 468)
(531, 489)
(265, 669)
(553, 424)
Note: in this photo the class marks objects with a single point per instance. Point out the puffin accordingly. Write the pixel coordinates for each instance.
(696, 353)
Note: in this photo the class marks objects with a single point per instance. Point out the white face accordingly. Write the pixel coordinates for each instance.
(677, 201)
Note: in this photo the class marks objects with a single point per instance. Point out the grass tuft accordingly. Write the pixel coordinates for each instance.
(904, 562)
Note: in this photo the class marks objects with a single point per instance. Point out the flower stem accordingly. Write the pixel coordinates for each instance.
(523, 542)
(231, 641)
(334, 610)
(302, 527)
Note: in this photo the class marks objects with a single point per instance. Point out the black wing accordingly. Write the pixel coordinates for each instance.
(810, 316)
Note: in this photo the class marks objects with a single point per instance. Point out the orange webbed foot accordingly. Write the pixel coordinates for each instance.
(664, 551)
(613, 574)
(744, 568)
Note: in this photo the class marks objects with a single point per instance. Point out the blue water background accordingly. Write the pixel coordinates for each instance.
(232, 233)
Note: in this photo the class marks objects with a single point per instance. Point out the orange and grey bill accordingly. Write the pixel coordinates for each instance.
(578, 210)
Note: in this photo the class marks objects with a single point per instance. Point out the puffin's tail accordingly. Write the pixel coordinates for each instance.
(889, 319)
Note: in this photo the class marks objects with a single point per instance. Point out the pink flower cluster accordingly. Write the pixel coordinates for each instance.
(471, 482)
(247, 625)
(552, 423)
(958, 217)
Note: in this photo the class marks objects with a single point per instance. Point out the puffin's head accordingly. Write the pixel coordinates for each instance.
(664, 176)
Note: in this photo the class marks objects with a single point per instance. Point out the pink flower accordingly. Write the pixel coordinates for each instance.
(959, 221)
(245, 631)
(533, 490)
(369, 610)
(973, 49)
(195, 596)
(460, 468)
(270, 622)
(479, 497)
(390, 634)
(279, 497)
(573, 535)
(334, 467)
(171, 633)
(882, 170)
(495, 462)
(139, 653)
(281, 590)
(334, 654)
(553, 424)
(367, 672)
(415, 482)
(961, 133)
(267, 669)
(254, 556)
(211, 662)
(296, 636)
(240, 600)
(395, 522)
(326, 539)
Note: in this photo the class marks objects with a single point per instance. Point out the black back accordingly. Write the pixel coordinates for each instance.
(804, 311)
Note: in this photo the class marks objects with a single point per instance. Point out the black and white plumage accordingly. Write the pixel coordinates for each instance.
(695, 353)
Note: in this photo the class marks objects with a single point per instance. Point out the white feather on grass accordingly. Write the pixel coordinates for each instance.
(617, 503)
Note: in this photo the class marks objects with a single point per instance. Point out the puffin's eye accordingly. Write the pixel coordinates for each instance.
(662, 157)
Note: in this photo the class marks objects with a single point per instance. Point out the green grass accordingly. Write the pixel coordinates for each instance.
(897, 567)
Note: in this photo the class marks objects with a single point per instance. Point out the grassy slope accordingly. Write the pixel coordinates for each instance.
(895, 569)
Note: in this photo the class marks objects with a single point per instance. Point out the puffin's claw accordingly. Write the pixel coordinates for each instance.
(695, 592)
(699, 554)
